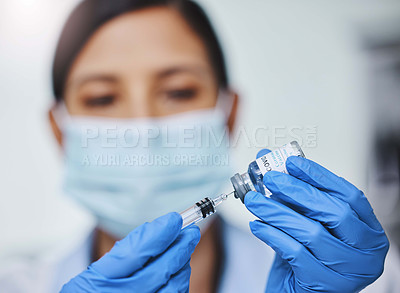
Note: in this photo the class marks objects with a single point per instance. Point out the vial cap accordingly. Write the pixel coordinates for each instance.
(240, 187)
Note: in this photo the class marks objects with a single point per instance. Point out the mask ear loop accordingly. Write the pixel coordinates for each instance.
(61, 115)
(224, 103)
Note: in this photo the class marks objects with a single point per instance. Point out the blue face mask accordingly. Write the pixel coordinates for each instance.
(129, 171)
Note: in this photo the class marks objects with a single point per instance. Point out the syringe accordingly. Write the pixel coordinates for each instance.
(202, 209)
(250, 180)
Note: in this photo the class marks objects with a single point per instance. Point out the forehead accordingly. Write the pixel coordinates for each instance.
(147, 39)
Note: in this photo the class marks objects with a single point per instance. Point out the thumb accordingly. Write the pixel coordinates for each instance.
(263, 152)
(135, 250)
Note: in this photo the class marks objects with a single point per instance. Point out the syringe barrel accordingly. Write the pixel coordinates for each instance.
(201, 210)
(191, 215)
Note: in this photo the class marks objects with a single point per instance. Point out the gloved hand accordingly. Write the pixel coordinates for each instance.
(322, 228)
(152, 258)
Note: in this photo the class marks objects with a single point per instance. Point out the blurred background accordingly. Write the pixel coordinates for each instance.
(327, 71)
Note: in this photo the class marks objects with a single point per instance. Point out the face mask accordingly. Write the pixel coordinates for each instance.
(129, 171)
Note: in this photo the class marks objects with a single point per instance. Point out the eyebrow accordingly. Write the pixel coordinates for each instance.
(94, 77)
(197, 70)
(165, 73)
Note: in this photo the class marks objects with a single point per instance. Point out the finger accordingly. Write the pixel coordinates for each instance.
(302, 262)
(157, 272)
(145, 242)
(321, 178)
(263, 152)
(336, 215)
(329, 250)
(280, 275)
(179, 282)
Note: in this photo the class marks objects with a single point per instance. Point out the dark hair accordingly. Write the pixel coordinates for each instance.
(89, 15)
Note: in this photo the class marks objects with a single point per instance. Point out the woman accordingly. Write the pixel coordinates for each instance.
(127, 76)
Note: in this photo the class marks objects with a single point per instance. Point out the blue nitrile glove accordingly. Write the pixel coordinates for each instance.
(152, 258)
(323, 229)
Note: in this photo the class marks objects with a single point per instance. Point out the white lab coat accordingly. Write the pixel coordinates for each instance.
(248, 261)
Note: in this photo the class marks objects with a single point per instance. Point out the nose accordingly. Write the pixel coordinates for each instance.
(139, 103)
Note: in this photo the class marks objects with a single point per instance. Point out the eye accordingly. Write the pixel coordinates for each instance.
(100, 101)
(182, 94)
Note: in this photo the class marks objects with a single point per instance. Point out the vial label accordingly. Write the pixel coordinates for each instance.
(276, 160)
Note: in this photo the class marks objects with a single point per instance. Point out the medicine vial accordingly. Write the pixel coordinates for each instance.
(273, 161)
